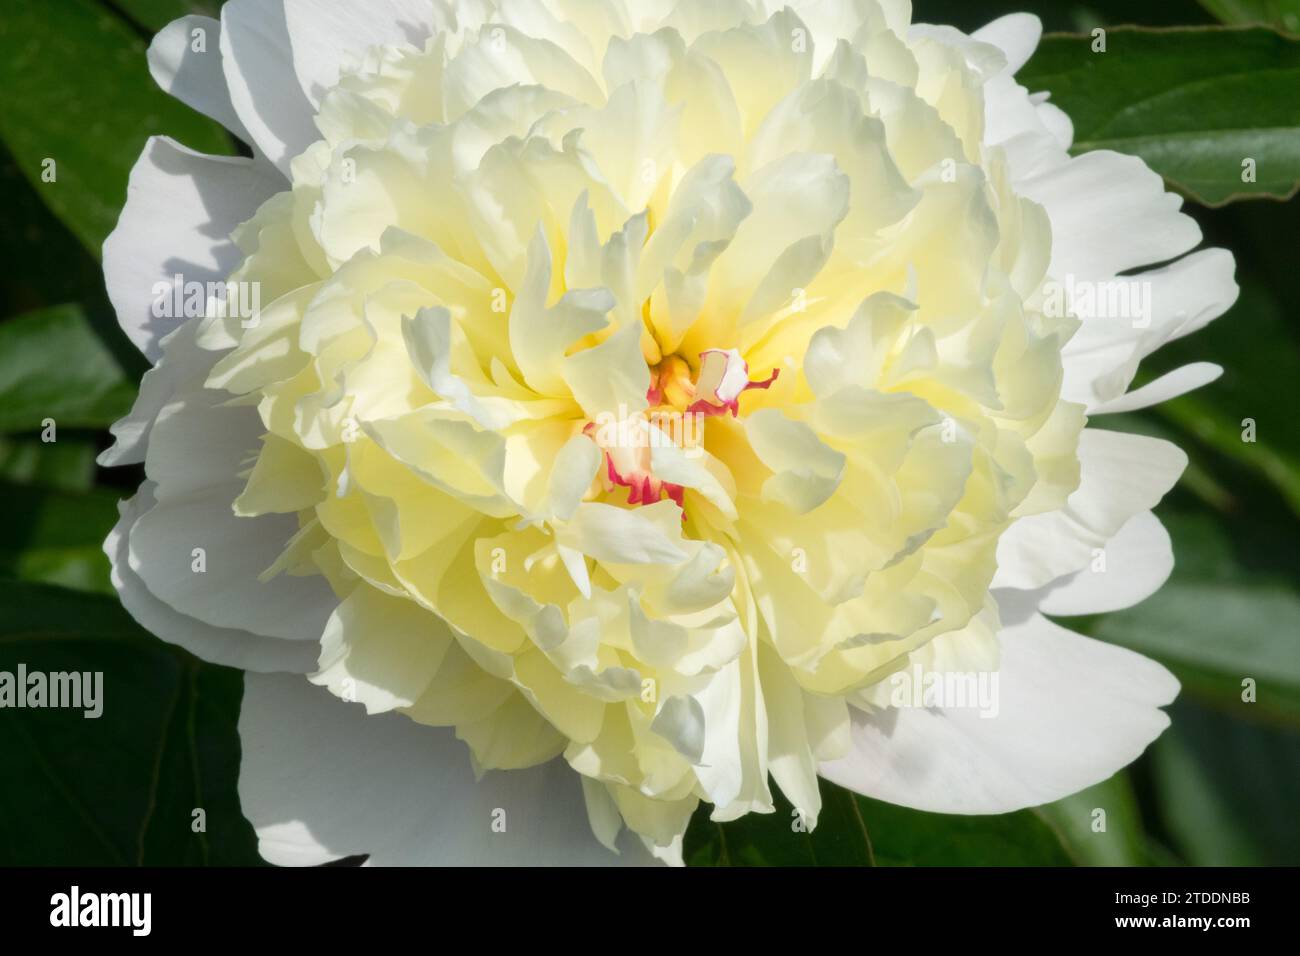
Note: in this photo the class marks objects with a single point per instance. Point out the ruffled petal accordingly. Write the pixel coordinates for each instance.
(320, 780)
(181, 207)
(194, 76)
(220, 645)
(1016, 35)
(1070, 712)
(257, 58)
(1133, 565)
(325, 34)
(1110, 213)
(1180, 381)
(1121, 475)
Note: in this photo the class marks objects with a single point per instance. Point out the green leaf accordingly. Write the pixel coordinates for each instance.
(1261, 366)
(1112, 838)
(67, 464)
(1194, 103)
(780, 838)
(903, 837)
(856, 831)
(1223, 616)
(1227, 789)
(52, 366)
(1058, 15)
(55, 266)
(120, 788)
(152, 15)
(57, 536)
(77, 91)
(1283, 14)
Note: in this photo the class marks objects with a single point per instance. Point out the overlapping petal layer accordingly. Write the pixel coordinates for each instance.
(642, 385)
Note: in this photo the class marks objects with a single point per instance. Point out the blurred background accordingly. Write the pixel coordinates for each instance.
(1221, 786)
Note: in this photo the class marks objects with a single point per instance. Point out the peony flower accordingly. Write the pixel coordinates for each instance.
(600, 408)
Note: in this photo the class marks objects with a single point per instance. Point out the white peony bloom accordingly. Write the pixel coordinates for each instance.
(621, 404)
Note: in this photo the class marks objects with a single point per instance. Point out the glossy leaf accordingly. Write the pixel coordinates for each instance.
(57, 536)
(1227, 789)
(1195, 103)
(1220, 620)
(1101, 826)
(67, 465)
(856, 831)
(121, 788)
(79, 104)
(53, 367)
(1283, 14)
(152, 15)
(1247, 415)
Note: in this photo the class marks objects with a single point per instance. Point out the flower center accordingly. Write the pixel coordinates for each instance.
(680, 400)
(672, 384)
(723, 376)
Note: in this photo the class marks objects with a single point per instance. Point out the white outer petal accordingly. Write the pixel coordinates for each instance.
(258, 62)
(1057, 122)
(1072, 711)
(181, 364)
(1138, 559)
(1170, 385)
(197, 449)
(1120, 475)
(181, 207)
(237, 550)
(1110, 213)
(1138, 225)
(1015, 34)
(229, 618)
(1184, 296)
(1033, 133)
(323, 32)
(196, 79)
(220, 645)
(320, 780)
